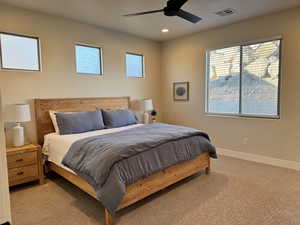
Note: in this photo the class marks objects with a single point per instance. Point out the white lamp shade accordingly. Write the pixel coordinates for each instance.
(22, 113)
(147, 105)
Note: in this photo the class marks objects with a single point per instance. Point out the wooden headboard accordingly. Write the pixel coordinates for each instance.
(42, 107)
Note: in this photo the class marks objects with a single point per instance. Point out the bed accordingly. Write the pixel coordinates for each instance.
(59, 145)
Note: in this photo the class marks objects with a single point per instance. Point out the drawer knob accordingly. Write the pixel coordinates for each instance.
(20, 173)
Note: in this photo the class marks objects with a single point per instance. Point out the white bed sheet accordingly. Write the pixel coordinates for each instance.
(56, 146)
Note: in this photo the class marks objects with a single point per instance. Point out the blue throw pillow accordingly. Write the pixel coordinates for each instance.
(75, 123)
(118, 118)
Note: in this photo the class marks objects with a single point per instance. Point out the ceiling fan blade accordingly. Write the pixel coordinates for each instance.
(188, 16)
(176, 4)
(144, 13)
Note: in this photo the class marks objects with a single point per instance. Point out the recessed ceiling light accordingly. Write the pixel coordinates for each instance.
(165, 30)
(226, 12)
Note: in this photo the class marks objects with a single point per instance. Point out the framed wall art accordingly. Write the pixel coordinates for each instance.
(181, 91)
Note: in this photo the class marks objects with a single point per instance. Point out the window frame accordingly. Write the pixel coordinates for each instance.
(143, 65)
(38, 52)
(240, 114)
(100, 58)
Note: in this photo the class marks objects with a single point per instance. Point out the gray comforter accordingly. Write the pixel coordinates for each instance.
(110, 162)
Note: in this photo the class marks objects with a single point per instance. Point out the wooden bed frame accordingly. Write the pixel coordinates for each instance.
(134, 192)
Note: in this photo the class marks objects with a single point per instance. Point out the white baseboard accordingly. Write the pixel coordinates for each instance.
(260, 159)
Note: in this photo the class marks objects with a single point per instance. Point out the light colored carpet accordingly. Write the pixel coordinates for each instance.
(237, 192)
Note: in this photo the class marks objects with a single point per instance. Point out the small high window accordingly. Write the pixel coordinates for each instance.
(88, 59)
(134, 65)
(19, 52)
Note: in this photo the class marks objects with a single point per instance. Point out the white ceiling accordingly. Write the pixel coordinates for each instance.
(108, 13)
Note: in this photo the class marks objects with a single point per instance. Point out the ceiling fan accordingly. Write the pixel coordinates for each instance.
(173, 8)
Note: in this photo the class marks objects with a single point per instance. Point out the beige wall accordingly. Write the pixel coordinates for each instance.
(184, 60)
(58, 78)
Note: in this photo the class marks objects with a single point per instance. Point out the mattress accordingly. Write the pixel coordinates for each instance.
(56, 146)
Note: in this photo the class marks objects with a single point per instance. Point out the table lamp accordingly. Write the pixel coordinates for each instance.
(147, 107)
(21, 115)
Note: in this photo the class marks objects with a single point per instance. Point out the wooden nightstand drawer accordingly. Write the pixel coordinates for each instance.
(23, 174)
(21, 159)
(24, 164)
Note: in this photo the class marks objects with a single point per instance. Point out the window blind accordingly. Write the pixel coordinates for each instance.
(244, 79)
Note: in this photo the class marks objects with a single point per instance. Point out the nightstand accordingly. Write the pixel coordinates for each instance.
(24, 164)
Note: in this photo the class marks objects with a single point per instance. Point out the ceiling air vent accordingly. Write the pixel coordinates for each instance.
(225, 12)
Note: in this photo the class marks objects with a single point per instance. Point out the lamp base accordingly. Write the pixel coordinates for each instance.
(146, 118)
(18, 135)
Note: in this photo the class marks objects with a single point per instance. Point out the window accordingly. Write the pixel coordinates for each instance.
(19, 52)
(244, 80)
(88, 59)
(134, 65)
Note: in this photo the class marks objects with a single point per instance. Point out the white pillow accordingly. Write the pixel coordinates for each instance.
(54, 121)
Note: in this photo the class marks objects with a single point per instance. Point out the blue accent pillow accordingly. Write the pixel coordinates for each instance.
(79, 122)
(118, 118)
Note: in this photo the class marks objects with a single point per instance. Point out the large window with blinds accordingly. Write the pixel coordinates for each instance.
(244, 80)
